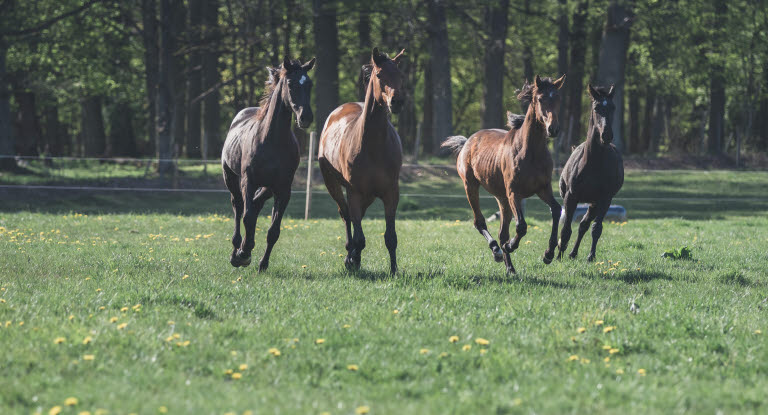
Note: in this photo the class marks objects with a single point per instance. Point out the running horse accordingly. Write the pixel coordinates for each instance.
(513, 165)
(361, 152)
(593, 174)
(261, 154)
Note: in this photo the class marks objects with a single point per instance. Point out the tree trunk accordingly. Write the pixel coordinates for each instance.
(165, 93)
(613, 58)
(28, 126)
(327, 71)
(650, 101)
(657, 126)
(121, 134)
(761, 123)
(426, 123)
(179, 15)
(211, 109)
(6, 125)
(562, 68)
(493, 87)
(717, 83)
(92, 127)
(149, 19)
(273, 7)
(528, 63)
(54, 134)
(442, 116)
(633, 141)
(575, 81)
(194, 82)
(364, 43)
(287, 33)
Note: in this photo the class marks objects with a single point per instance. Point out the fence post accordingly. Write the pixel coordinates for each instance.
(417, 147)
(310, 163)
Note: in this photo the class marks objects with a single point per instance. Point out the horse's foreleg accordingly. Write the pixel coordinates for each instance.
(521, 227)
(554, 209)
(358, 238)
(233, 184)
(473, 196)
(583, 227)
(570, 204)
(506, 218)
(281, 202)
(597, 227)
(253, 201)
(390, 235)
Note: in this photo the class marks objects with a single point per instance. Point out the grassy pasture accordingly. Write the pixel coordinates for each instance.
(127, 303)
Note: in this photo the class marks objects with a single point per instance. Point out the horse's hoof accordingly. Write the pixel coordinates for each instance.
(263, 265)
(572, 255)
(237, 260)
(511, 270)
(590, 258)
(548, 257)
(498, 256)
(351, 264)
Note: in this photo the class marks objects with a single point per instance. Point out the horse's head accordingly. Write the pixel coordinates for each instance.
(297, 89)
(546, 102)
(602, 111)
(387, 80)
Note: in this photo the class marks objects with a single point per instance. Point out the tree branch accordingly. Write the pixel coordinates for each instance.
(50, 22)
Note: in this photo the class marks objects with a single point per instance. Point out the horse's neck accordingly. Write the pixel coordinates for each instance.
(373, 117)
(592, 145)
(532, 134)
(278, 116)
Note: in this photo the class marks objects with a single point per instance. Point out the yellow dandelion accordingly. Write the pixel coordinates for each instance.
(185, 277)
(453, 339)
(84, 413)
(466, 347)
(98, 290)
(274, 352)
(360, 410)
(606, 347)
(424, 351)
(88, 357)
(483, 351)
(236, 376)
(122, 326)
(21, 323)
(71, 401)
(233, 352)
(59, 340)
(113, 320)
(87, 340)
(124, 309)
(443, 354)
(573, 357)
(613, 351)
(607, 359)
(56, 410)
(352, 368)
(176, 335)
(608, 329)
(162, 410)
(482, 342)
(228, 372)
(2, 300)
(346, 326)
(102, 308)
(584, 360)
(169, 339)
(303, 266)
(136, 307)
(395, 311)
(619, 371)
(243, 367)
(581, 330)
(185, 343)
(319, 341)
(599, 322)
(171, 322)
(641, 372)
(758, 332)
(71, 317)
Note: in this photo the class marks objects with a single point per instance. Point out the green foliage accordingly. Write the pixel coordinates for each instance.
(678, 253)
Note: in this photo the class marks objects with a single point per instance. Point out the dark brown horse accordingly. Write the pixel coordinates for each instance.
(593, 174)
(261, 154)
(513, 165)
(361, 152)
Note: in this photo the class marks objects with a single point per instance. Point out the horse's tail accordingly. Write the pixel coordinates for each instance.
(454, 144)
(515, 121)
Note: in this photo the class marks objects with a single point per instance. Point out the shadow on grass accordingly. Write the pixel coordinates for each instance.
(631, 277)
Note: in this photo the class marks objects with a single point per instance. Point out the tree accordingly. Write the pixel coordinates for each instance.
(92, 126)
(211, 79)
(440, 74)
(493, 64)
(327, 71)
(165, 100)
(575, 81)
(151, 65)
(6, 129)
(717, 81)
(195, 80)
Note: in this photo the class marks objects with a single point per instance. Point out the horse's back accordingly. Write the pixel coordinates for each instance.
(480, 159)
(333, 130)
(231, 152)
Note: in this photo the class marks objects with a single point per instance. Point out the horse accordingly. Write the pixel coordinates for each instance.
(513, 165)
(361, 152)
(593, 174)
(261, 154)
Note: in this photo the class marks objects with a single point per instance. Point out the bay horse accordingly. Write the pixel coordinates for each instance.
(593, 174)
(361, 152)
(261, 154)
(513, 165)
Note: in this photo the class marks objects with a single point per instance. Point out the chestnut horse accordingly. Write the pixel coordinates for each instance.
(593, 174)
(361, 151)
(513, 165)
(261, 154)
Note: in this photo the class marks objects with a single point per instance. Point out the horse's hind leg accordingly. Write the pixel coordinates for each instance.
(281, 202)
(506, 217)
(473, 196)
(390, 235)
(570, 204)
(583, 227)
(233, 184)
(554, 209)
(356, 207)
(334, 189)
(597, 227)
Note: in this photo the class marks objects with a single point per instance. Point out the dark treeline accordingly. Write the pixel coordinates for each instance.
(163, 78)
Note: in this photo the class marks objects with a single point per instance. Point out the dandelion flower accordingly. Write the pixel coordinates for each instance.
(606, 347)
(607, 359)
(466, 347)
(236, 376)
(352, 368)
(87, 340)
(124, 309)
(98, 290)
(483, 351)
(185, 277)
(482, 342)
(122, 326)
(169, 339)
(573, 357)
(362, 410)
(84, 413)
(113, 320)
(581, 330)
(71, 401)
(274, 352)
(176, 335)
(162, 410)
(56, 410)
(303, 266)
(613, 351)
(453, 339)
(424, 351)
(641, 372)
(758, 332)
(59, 340)
(443, 354)
(102, 308)
(598, 322)
(346, 326)
(243, 367)
(71, 317)
(319, 341)
(171, 322)
(584, 360)
(608, 329)
(88, 357)
(395, 311)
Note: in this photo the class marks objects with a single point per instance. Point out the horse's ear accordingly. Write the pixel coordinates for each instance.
(593, 93)
(611, 91)
(399, 57)
(367, 69)
(560, 82)
(537, 81)
(376, 57)
(274, 74)
(309, 65)
(287, 65)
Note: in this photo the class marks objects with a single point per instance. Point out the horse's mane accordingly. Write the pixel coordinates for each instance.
(367, 69)
(275, 74)
(526, 92)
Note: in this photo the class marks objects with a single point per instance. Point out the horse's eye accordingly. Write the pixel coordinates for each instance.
(551, 94)
(605, 103)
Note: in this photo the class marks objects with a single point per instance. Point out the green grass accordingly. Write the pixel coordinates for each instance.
(67, 275)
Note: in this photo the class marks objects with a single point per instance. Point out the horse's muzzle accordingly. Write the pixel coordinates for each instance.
(396, 106)
(553, 130)
(304, 120)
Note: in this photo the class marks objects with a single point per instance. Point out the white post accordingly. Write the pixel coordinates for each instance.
(310, 163)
